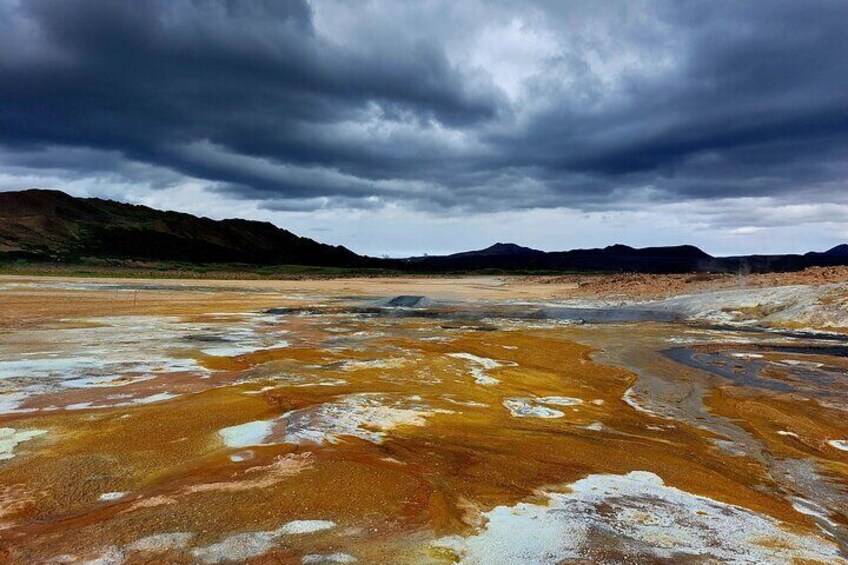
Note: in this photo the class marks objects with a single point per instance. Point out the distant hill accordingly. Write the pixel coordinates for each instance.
(51, 225)
(622, 258)
(48, 225)
(838, 251)
(618, 257)
(500, 250)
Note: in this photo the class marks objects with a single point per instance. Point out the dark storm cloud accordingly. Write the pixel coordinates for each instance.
(406, 103)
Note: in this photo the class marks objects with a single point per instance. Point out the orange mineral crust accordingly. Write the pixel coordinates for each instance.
(276, 423)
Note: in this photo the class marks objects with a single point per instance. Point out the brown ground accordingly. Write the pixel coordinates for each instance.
(388, 499)
(635, 285)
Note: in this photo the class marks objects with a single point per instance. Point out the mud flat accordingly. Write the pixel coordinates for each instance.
(476, 420)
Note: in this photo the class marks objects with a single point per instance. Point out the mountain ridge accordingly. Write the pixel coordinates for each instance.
(837, 251)
(50, 225)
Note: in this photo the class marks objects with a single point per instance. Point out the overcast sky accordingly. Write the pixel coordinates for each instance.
(407, 127)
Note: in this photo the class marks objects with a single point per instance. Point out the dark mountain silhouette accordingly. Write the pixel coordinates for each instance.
(623, 258)
(617, 257)
(51, 225)
(838, 251)
(501, 250)
(48, 225)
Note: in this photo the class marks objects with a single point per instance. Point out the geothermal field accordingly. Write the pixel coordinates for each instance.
(424, 420)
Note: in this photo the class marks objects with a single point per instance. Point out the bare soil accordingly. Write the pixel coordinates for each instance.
(637, 285)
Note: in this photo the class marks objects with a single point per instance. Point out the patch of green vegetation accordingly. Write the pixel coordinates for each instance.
(98, 267)
(123, 268)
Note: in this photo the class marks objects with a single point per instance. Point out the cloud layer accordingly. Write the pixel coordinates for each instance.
(438, 108)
